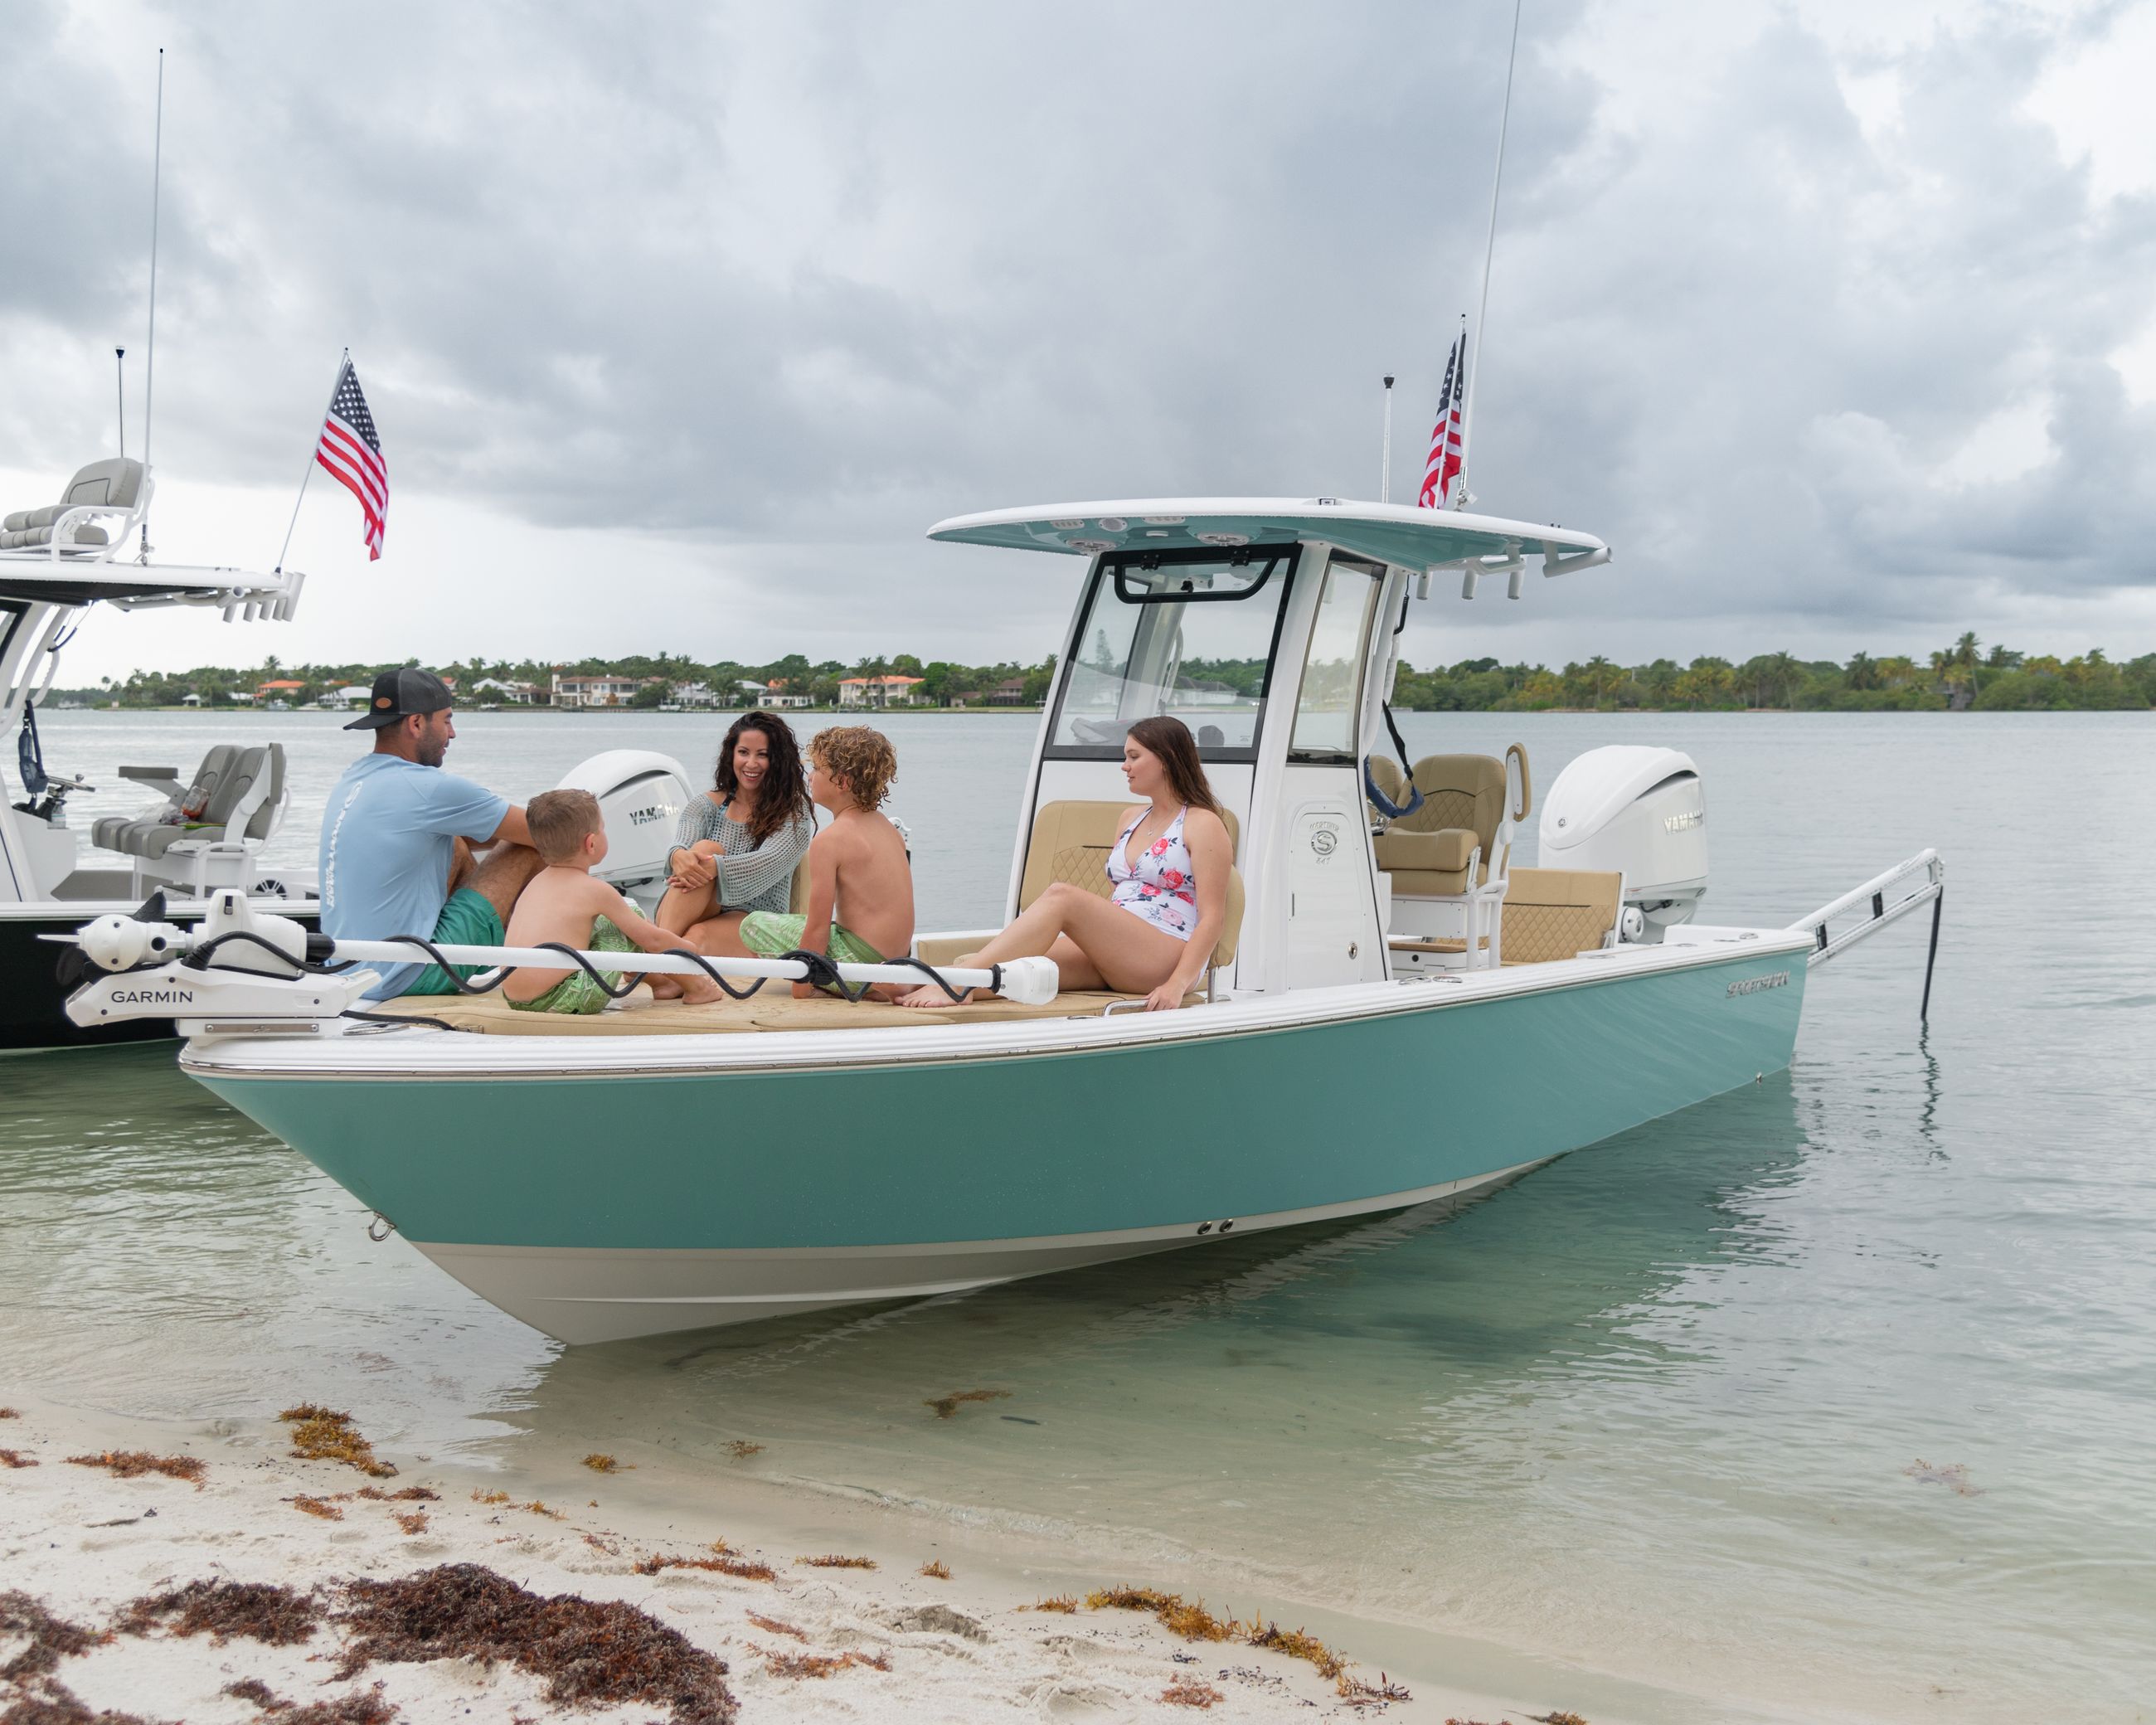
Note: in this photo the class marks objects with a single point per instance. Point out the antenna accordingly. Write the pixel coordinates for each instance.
(1489, 254)
(1385, 462)
(149, 364)
(120, 378)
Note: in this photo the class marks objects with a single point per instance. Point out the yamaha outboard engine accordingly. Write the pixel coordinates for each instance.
(1638, 811)
(641, 796)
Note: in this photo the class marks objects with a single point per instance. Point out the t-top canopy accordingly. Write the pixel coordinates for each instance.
(1389, 532)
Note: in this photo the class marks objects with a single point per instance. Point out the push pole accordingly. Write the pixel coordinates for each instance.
(150, 361)
(120, 383)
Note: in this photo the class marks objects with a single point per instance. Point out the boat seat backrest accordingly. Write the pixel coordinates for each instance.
(1557, 913)
(260, 823)
(1465, 792)
(1072, 841)
(202, 790)
(236, 783)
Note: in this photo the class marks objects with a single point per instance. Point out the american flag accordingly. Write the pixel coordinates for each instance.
(1445, 450)
(352, 452)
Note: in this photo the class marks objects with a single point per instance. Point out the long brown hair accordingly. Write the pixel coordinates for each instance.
(783, 795)
(1170, 740)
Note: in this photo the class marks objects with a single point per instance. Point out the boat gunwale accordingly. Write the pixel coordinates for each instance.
(708, 1054)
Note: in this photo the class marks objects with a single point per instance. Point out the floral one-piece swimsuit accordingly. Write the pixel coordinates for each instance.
(1160, 887)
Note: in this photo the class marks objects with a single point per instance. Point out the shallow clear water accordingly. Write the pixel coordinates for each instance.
(1650, 1408)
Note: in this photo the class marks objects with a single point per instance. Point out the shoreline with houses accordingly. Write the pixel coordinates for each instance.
(1962, 677)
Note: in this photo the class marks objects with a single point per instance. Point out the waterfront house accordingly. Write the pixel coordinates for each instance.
(885, 691)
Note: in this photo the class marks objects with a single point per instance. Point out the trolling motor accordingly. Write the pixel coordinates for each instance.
(244, 972)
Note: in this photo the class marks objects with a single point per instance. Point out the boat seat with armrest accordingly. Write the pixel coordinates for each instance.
(108, 487)
(1456, 848)
(1071, 842)
(247, 803)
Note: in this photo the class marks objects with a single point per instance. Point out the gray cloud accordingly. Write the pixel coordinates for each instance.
(800, 280)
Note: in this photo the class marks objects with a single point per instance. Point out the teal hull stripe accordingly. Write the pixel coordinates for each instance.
(1137, 1136)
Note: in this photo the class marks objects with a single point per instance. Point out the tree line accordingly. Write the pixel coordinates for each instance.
(1965, 675)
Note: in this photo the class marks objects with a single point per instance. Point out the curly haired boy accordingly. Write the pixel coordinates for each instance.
(861, 885)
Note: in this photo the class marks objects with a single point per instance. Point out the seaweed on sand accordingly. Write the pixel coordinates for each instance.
(410, 1494)
(414, 1521)
(1189, 1692)
(1357, 1693)
(1061, 1602)
(741, 1568)
(775, 1627)
(16, 1458)
(322, 1434)
(364, 1706)
(132, 1464)
(591, 1652)
(1193, 1622)
(1297, 1643)
(740, 1448)
(834, 1560)
(326, 1510)
(258, 1610)
(9, 1413)
(50, 1638)
(937, 1570)
(818, 1664)
(600, 1463)
(947, 1406)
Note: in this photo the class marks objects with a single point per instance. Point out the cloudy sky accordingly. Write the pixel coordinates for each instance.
(1837, 318)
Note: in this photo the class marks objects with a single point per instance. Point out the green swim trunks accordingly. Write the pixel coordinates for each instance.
(467, 919)
(772, 934)
(577, 993)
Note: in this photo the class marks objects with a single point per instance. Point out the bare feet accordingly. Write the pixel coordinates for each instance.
(928, 995)
(664, 987)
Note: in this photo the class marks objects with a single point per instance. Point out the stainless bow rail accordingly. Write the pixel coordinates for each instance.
(1885, 898)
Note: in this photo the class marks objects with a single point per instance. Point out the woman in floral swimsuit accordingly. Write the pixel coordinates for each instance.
(1155, 935)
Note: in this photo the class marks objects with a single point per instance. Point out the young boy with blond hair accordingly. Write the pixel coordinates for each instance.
(860, 886)
(564, 903)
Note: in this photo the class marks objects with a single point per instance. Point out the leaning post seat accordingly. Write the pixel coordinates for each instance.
(1071, 842)
(1456, 848)
(113, 487)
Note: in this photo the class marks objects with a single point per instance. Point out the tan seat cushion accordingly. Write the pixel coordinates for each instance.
(1558, 913)
(1446, 852)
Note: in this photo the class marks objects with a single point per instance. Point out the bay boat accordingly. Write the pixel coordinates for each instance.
(1395, 1015)
(207, 834)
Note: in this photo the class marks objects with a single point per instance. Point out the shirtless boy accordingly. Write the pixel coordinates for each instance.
(860, 886)
(564, 903)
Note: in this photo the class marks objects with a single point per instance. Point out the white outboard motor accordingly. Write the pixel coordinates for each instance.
(1638, 811)
(641, 796)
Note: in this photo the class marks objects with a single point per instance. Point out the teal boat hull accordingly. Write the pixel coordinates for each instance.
(599, 1206)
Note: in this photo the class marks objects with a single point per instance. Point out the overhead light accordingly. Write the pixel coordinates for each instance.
(1112, 524)
(1066, 527)
(1164, 520)
(1224, 538)
(1090, 545)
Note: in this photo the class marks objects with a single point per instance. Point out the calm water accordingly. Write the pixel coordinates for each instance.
(1651, 1410)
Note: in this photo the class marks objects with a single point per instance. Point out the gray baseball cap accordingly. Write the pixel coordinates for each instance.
(399, 694)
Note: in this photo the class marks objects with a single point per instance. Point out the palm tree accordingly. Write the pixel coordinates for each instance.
(1863, 672)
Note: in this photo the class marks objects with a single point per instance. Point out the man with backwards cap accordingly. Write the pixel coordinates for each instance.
(399, 834)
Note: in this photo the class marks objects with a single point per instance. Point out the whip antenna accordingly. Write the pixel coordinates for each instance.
(120, 379)
(1385, 462)
(1489, 254)
(150, 361)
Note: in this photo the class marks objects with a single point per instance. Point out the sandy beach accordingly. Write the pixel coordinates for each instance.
(204, 1571)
